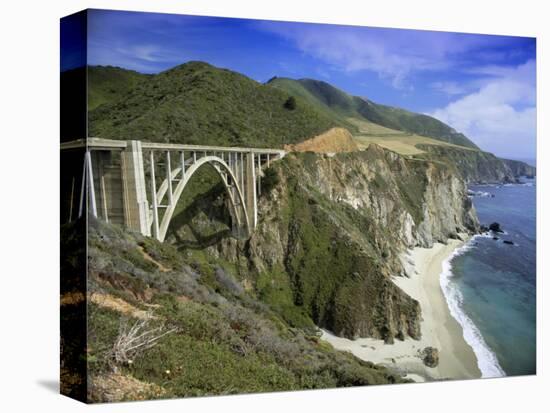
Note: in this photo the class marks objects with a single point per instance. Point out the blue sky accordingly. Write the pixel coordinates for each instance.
(482, 85)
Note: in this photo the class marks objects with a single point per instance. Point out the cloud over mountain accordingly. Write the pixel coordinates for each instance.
(501, 113)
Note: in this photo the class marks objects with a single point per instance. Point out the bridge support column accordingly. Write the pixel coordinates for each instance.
(135, 202)
(250, 191)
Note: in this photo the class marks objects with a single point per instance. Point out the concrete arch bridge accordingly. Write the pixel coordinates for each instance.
(138, 184)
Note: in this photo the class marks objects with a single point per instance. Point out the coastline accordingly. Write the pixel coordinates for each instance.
(457, 359)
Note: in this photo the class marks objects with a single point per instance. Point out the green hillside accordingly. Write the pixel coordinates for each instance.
(109, 83)
(196, 103)
(342, 106)
(331, 101)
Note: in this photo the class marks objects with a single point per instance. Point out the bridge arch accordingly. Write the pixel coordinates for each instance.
(229, 181)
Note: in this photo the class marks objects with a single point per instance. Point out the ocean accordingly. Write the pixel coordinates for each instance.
(490, 286)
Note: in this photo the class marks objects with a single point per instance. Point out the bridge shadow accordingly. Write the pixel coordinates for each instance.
(211, 205)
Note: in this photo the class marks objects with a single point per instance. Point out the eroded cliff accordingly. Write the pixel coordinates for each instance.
(332, 231)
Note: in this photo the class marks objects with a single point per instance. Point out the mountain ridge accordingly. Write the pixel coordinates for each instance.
(201, 104)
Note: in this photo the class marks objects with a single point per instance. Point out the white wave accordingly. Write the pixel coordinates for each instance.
(486, 359)
(481, 194)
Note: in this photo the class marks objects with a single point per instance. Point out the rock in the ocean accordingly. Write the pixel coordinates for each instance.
(430, 356)
(508, 242)
(495, 227)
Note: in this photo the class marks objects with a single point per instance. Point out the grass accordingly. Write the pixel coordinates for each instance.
(403, 143)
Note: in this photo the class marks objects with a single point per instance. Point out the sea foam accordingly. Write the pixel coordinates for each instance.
(486, 359)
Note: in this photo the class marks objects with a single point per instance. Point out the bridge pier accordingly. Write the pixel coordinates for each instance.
(135, 204)
(250, 191)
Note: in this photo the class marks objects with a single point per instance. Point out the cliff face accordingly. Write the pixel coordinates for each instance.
(478, 166)
(519, 168)
(333, 229)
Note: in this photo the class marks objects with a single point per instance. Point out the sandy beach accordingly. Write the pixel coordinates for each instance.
(439, 329)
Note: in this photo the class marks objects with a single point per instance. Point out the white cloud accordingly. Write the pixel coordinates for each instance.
(393, 54)
(501, 115)
(449, 88)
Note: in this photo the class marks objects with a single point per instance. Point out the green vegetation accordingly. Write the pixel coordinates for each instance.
(290, 103)
(269, 180)
(219, 339)
(108, 84)
(340, 106)
(197, 103)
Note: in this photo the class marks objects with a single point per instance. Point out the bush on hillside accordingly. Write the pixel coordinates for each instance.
(290, 103)
(269, 180)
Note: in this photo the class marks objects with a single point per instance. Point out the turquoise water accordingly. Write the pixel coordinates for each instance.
(492, 285)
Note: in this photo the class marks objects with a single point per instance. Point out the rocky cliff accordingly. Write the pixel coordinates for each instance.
(519, 168)
(332, 231)
(478, 166)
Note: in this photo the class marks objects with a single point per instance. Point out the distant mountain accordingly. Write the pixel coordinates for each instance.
(520, 168)
(342, 106)
(197, 103)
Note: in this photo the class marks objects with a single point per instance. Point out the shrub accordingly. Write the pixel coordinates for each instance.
(290, 103)
(270, 180)
(135, 339)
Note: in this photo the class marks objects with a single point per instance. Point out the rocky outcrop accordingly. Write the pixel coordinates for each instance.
(332, 141)
(430, 356)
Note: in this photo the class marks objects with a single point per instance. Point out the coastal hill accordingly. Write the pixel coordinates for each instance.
(197, 103)
(333, 232)
(343, 106)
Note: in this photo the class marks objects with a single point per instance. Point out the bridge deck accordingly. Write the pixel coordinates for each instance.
(109, 144)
